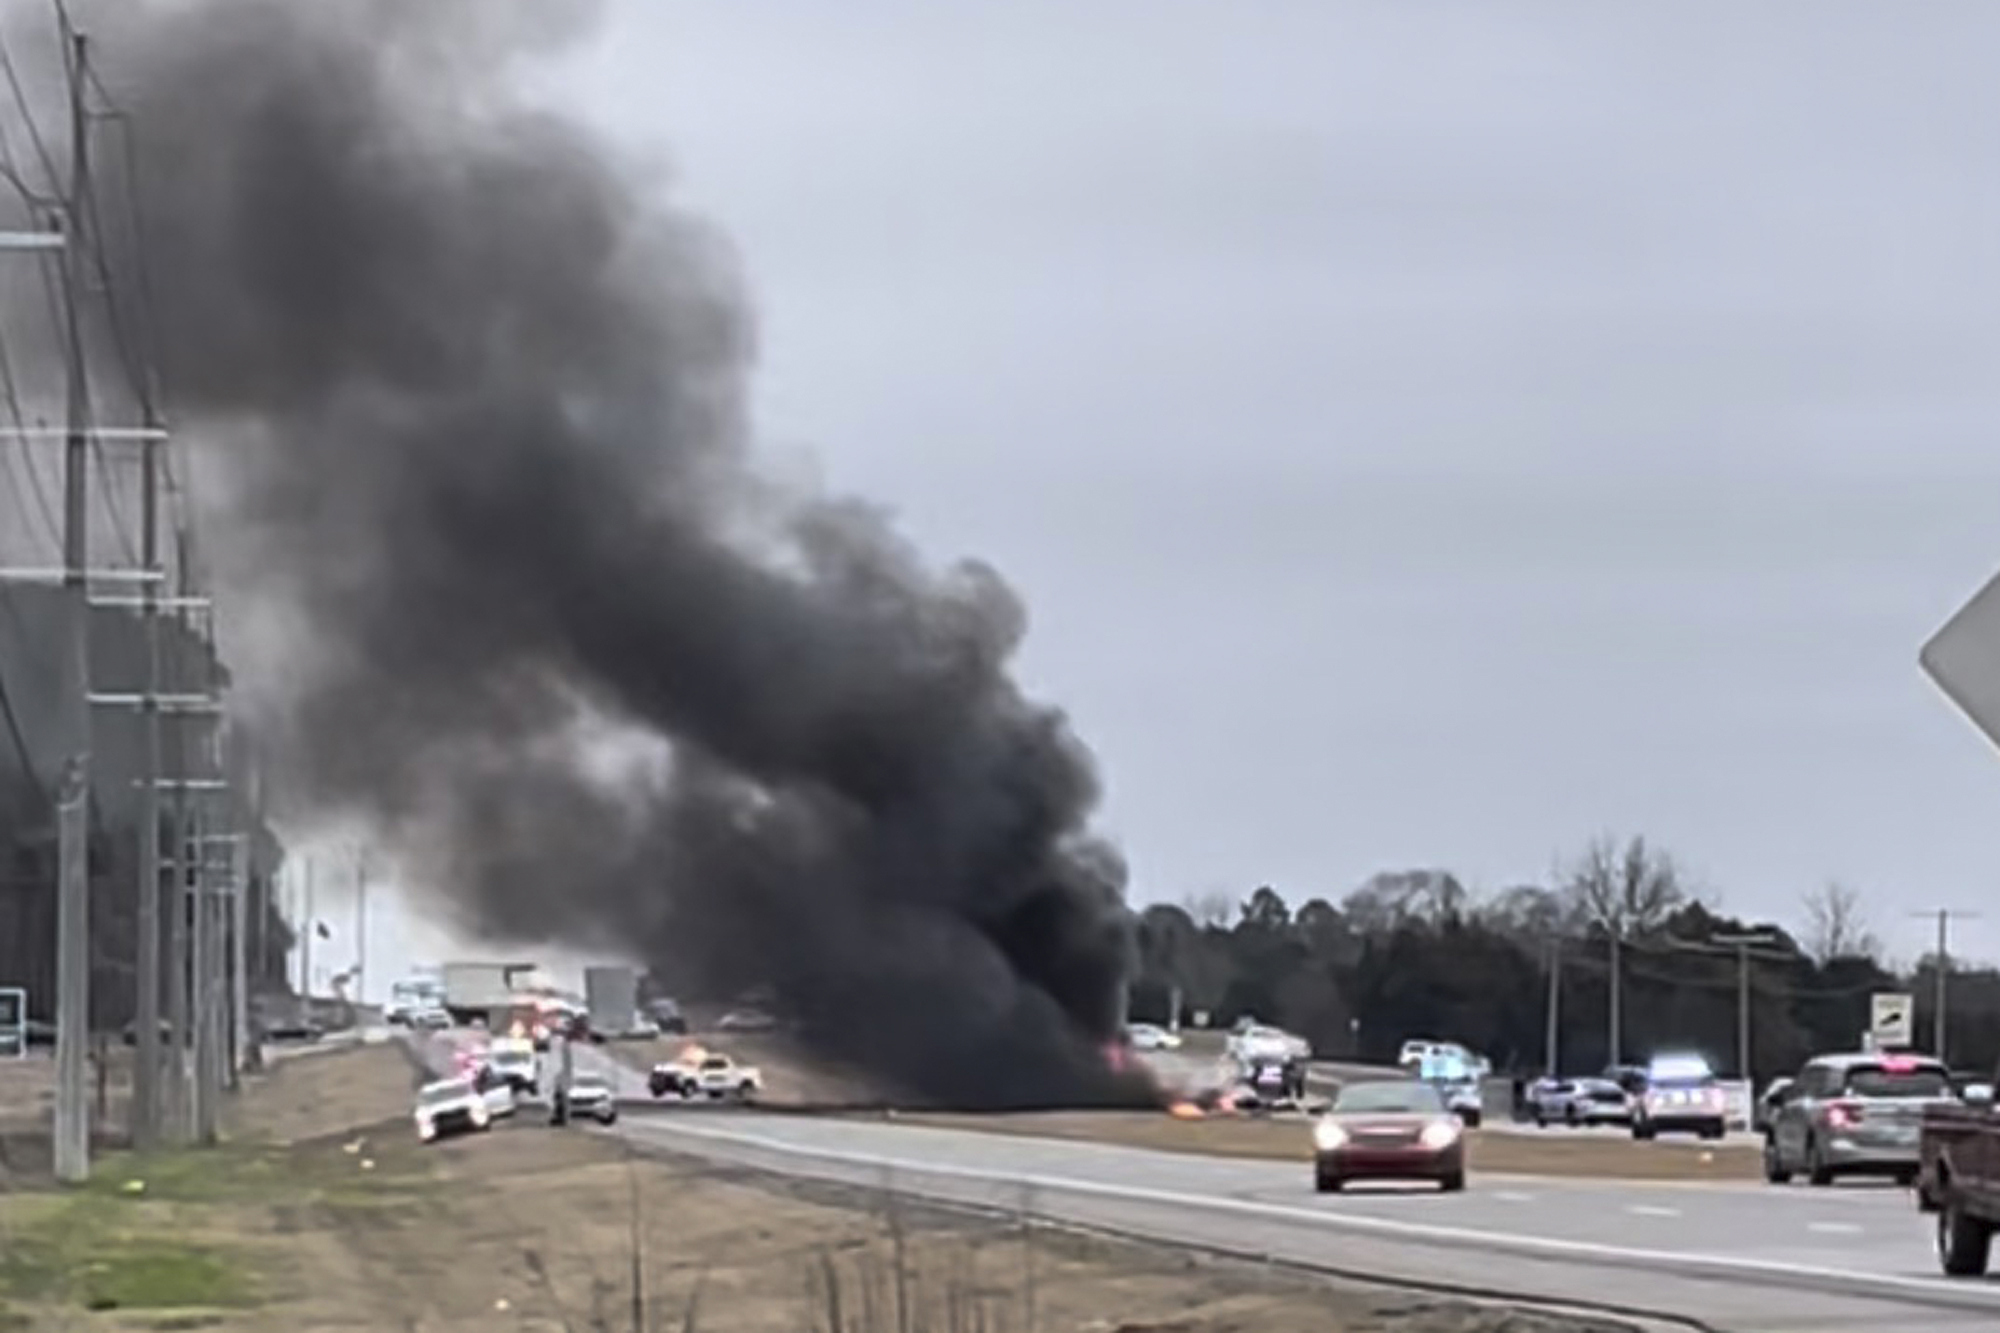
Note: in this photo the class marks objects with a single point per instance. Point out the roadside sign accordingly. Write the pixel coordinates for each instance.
(1963, 660)
(1892, 1018)
(13, 1022)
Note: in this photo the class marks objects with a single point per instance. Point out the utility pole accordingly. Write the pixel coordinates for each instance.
(307, 926)
(1551, 1042)
(72, 1117)
(208, 942)
(1617, 998)
(146, 1075)
(201, 969)
(1742, 944)
(180, 915)
(239, 991)
(1944, 916)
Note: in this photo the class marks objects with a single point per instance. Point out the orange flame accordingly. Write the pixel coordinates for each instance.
(1184, 1111)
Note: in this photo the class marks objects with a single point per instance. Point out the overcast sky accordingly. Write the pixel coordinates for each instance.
(1424, 434)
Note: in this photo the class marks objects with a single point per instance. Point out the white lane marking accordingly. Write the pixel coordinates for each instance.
(1651, 1210)
(1835, 1228)
(1513, 1196)
(1956, 1293)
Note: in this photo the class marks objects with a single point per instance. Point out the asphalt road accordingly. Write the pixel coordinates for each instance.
(1742, 1257)
(1738, 1257)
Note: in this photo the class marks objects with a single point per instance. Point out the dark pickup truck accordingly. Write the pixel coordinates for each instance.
(1958, 1177)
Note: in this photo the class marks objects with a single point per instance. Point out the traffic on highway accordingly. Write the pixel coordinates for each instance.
(1897, 1216)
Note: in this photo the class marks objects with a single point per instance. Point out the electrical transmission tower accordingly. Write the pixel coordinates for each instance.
(168, 1098)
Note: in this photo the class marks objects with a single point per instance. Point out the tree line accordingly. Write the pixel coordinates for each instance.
(1414, 954)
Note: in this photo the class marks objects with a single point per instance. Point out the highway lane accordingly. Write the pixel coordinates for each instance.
(1740, 1257)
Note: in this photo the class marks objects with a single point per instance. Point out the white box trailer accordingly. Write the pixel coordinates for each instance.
(611, 998)
(482, 991)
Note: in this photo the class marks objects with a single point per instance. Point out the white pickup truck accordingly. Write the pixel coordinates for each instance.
(713, 1076)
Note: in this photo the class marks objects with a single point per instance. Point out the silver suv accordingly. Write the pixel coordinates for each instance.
(1856, 1114)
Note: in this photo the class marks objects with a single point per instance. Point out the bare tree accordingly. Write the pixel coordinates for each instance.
(1627, 890)
(1529, 912)
(1213, 908)
(1835, 927)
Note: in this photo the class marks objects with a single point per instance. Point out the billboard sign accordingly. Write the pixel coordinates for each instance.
(1892, 1016)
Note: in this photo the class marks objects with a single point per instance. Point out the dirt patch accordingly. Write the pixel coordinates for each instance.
(310, 1096)
(1287, 1139)
(299, 1222)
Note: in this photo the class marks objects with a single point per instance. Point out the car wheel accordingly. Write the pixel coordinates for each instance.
(1453, 1183)
(1817, 1171)
(1907, 1178)
(1644, 1132)
(1541, 1119)
(1963, 1241)
(1774, 1163)
(1714, 1130)
(1471, 1119)
(1327, 1183)
(1569, 1117)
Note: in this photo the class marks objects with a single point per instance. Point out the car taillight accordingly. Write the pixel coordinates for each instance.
(1839, 1115)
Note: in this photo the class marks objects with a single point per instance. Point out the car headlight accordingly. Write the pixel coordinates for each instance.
(1439, 1134)
(1327, 1136)
(479, 1114)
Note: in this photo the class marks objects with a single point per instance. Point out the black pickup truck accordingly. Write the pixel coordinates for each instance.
(1958, 1178)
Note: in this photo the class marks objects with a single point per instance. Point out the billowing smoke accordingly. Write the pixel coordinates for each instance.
(479, 399)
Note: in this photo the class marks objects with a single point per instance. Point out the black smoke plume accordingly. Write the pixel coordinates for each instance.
(479, 402)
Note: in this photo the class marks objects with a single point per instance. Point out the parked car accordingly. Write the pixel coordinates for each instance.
(1151, 1037)
(1682, 1096)
(1579, 1101)
(588, 1095)
(450, 1106)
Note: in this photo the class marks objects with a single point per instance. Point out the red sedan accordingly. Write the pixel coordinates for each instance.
(1388, 1131)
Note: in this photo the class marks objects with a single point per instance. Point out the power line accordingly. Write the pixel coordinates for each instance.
(27, 113)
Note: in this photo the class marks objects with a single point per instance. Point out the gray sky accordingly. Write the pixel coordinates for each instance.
(1424, 434)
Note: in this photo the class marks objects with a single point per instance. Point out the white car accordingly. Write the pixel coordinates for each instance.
(712, 1076)
(1422, 1053)
(513, 1059)
(590, 1095)
(1462, 1097)
(496, 1091)
(1152, 1037)
(1266, 1043)
(451, 1106)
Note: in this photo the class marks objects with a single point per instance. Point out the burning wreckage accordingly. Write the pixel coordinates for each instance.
(1233, 1085)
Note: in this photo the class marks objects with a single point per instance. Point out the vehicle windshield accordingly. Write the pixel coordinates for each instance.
(437, 1094)
(715, 1062)
(1683, 1083)
(591, 1084)
(1391, 1098)
(1876, 1081)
